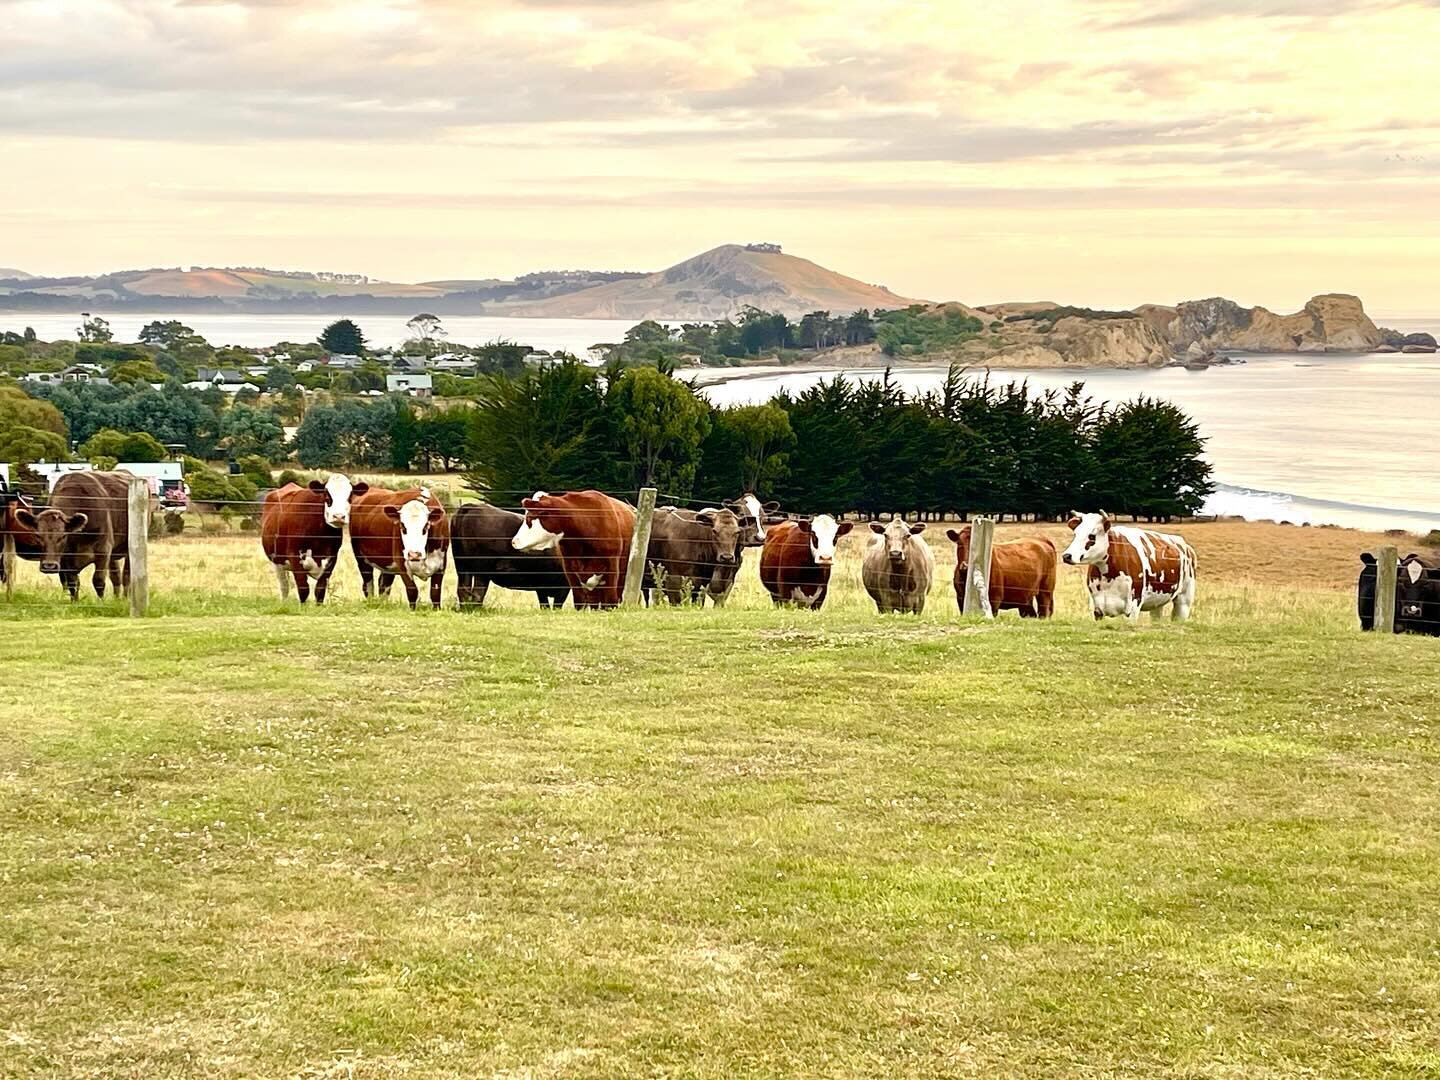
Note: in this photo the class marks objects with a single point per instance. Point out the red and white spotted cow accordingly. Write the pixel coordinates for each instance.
(1130, 569)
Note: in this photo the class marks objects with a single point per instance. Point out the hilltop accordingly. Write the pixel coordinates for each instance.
(9, 273)
(717, 284)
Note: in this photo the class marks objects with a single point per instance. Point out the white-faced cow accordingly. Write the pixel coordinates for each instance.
(898, 567)
(302, 529)
(796, 560)
(403, 534)
(591, 531)
(1130, 569)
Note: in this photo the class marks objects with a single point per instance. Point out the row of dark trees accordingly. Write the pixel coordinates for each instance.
(971, 446)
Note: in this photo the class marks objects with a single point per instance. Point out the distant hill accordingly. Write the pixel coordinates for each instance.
(9, 273)
(714, 285)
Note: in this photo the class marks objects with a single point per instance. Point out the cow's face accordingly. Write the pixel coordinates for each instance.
(961, 539)
(1419, 590)
(1091, 545)
(753, 512)
(533, 535)
(728, 533)
(416, 518)
(823, 531)
(338, 491)
(52, 529)
(895, 537)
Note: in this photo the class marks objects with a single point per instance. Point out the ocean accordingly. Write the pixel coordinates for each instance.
(1344, 440)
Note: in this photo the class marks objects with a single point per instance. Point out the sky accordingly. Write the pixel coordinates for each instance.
(1108, 153)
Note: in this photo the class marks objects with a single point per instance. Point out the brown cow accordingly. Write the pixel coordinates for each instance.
(591, 531)
(25, 540)
(302, 529)
(796, 559)
(87, 522)
(688, 548)
(1022, 574)
(402, 534)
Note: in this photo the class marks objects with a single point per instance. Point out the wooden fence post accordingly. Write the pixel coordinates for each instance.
(1387, 569)
(639, 545)
(139, 527)
(977, 585)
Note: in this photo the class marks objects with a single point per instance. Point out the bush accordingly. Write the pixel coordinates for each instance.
(174, 523)
(289, 476)
(257, 470)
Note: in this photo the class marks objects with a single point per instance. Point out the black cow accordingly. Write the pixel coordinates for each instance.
(1418, 599)
(1365, 588)
(480, 537)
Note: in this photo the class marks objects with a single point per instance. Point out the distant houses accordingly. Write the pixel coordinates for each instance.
(418, 386)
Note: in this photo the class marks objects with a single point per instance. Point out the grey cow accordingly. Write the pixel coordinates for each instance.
(898, 567)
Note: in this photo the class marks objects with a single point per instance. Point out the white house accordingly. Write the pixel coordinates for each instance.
(414, 385)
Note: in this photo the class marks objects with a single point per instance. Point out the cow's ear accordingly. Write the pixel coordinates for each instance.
(953, 535)
(1367, 558)
(705, 518)
(803, 525)
(317, 486)
(530, 504)
(76, 522)
(917, 528)
(392, 512)
(26, 518)
(843, 528)
(436, 513)
(1074, 520)
(876, 527)
(1104, 521)
(359, 489)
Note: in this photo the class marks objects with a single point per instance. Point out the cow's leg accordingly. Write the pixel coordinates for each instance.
(322, 584)
(387, 579)
(119, 575)
(1044, 604)
(302, 580)
(102, 567)
(437, 585)
(282, 577)
(367, 577)
(412, 591)
(70, 579)
(480, 589)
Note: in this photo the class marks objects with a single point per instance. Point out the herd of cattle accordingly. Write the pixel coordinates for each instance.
(577, 544)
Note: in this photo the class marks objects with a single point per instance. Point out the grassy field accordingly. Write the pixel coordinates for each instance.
(238, 839)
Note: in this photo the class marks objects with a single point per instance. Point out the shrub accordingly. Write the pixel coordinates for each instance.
(289, 476)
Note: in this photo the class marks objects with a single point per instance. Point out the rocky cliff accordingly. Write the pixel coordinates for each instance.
(1332, 322)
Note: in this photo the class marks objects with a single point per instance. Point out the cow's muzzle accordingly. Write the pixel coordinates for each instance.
(47, 567)
(1067, 559)
(414, 556)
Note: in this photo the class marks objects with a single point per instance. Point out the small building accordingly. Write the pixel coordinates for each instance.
(417, 386)
(43, 378)
(219, 375)
(342, 361)
(91, 373)
(408, 363)
(231, 388)
(455, 365)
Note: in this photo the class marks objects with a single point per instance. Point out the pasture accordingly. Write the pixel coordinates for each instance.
(239, 839)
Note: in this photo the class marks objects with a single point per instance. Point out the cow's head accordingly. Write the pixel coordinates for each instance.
(823, 531)
(1091, 545)
(895, 537)
(52, 529)
(338, 491)
(1419, 590)
(749, 509)
(728, 533)
(961, 539)
(532, 534)
(416, 518)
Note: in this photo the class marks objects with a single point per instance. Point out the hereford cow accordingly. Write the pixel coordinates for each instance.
(795, 562)
(302, 529)
(898, 567)
(1365, 588)
(592, 533)
(480, 537)
(688, 548)
(402, 534)
(1418, 593)
(87, 523)
(1022, 574)
(1132, 570)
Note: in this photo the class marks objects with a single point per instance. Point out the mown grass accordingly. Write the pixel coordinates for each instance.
(239, 840)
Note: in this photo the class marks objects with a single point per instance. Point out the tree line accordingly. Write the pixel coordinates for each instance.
(971, 446)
